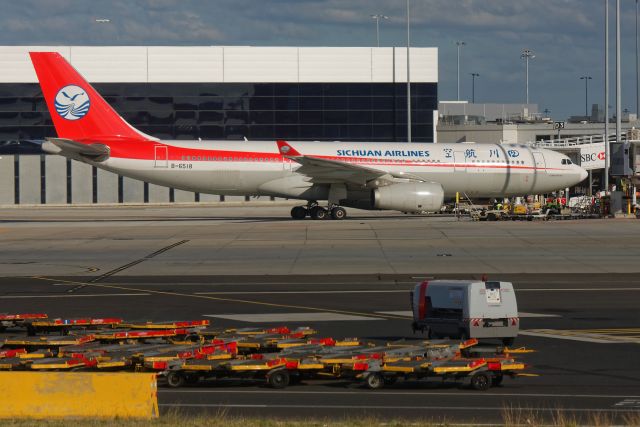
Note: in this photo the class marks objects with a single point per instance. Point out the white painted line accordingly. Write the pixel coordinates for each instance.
(292, 283)
(417, 408)
(525, 314)
(559, 335)
(371, 284)
(408, 313)
(290, 317)
(405, 313)
(71, 296)
(629, 403)
(394, 291)
(456, 394)
(575, 289)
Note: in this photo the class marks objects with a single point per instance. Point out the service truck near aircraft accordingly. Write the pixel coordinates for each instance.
(465, 309)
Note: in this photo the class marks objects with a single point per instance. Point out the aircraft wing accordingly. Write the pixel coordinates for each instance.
(71, 148)
(325, 171)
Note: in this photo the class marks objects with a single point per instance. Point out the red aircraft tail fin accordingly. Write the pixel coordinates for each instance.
(78, 112)
(286, 149)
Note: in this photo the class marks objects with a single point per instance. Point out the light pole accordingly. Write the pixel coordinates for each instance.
(527, 55)
(408, 77)
(618, 77)
(459, 44)
(586, 94)
(473, 87)
(378, 17)
(606, 96)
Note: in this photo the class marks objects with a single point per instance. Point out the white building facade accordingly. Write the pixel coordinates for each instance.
(210, 92)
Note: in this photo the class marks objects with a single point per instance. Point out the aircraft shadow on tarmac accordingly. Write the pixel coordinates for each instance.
(239, 219)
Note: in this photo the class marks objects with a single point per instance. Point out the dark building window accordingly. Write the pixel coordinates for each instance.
(262, 111)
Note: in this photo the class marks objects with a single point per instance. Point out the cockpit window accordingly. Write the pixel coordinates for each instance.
(566, 162)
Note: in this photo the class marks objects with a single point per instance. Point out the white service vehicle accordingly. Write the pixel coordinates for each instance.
(465, 309)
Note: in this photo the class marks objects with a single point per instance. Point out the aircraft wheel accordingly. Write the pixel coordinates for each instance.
(318, 212)
(298, 212)
(338, 213)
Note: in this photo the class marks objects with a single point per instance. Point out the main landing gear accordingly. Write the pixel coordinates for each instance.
(316, 211)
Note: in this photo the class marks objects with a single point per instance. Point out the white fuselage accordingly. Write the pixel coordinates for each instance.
(257, 168)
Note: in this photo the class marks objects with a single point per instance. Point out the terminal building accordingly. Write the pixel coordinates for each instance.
(210, 92)
(460, 121)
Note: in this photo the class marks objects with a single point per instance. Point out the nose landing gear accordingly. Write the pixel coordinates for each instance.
(317, 212)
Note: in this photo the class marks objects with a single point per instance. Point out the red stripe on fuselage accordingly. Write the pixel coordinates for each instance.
(145, 150)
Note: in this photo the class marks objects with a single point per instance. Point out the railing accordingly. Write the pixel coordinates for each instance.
(574, 141)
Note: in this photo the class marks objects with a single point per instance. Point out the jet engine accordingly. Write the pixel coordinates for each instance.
(409, 197)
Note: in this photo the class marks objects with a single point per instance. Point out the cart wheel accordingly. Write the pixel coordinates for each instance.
(175, 379)
(480, 381)
(497, 380)
(375, 381)
(279, 379)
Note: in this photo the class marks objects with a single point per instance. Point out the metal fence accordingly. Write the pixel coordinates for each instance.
(49, 179)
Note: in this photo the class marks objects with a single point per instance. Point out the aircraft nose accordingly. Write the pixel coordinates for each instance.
(583, 174)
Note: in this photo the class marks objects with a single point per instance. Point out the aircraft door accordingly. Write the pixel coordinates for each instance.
(459, 161)
(540, 164)
(161, 156)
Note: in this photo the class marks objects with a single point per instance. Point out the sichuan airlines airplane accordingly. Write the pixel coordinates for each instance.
(395, 176)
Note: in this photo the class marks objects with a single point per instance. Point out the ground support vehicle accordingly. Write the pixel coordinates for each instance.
(478, 373)
(275, 371)
(465, 309)
(18, 320)
(479, 367)
(277, 356)
(64, 326)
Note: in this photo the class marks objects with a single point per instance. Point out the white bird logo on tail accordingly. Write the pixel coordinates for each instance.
(72, 102)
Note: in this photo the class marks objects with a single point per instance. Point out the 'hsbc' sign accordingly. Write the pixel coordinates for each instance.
(592, 156)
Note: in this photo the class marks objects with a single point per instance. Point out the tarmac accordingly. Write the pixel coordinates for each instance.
(576, 282)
